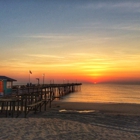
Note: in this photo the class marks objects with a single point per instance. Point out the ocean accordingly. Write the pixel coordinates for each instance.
(105, 93)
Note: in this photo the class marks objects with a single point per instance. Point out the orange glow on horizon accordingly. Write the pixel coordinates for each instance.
(92, 70)
(59, 77)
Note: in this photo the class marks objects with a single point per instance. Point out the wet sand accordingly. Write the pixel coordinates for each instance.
(116, 108)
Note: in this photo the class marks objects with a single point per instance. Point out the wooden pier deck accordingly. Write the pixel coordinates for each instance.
(25, 99)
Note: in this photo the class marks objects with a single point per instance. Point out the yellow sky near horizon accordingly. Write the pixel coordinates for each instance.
(82, 66)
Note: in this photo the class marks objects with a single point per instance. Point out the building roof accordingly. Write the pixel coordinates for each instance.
(6, 78)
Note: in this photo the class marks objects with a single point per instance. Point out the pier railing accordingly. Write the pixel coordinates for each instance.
(33, 98)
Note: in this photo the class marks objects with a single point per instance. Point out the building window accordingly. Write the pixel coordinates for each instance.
(9, 84)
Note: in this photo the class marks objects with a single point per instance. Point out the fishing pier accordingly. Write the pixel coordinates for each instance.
(25, 99)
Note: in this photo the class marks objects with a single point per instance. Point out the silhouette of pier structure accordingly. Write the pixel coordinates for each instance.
(25, 99)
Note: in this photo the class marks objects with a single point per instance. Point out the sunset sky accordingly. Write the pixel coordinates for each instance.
(75, 40)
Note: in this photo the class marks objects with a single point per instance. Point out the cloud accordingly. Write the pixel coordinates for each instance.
(128, 27)
(112, 5)
(52, 37)
(79, 54)
(44, 56)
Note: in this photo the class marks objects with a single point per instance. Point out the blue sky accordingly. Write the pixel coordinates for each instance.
(90, 36)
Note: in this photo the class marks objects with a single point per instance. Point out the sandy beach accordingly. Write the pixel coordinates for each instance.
(76, 121)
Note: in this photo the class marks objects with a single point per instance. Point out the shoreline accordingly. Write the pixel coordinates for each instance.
(114, 108)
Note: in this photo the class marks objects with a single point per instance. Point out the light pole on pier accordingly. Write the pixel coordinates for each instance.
(43, 78)
(37, 80)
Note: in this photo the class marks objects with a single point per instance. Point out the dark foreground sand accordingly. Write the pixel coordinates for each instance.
(65, 121)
